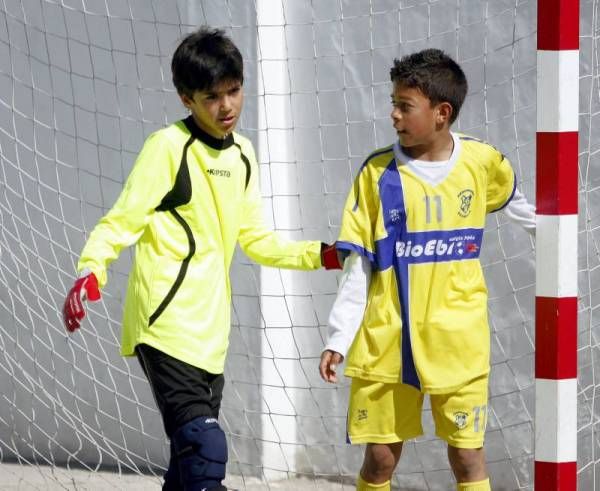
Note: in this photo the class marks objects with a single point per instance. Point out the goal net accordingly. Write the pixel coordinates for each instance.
(83, 82)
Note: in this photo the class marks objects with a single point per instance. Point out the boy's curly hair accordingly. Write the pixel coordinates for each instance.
(435, 74)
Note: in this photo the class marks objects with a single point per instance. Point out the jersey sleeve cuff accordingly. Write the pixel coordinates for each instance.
(339, 344)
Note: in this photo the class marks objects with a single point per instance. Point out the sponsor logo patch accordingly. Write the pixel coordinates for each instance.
(448, 245)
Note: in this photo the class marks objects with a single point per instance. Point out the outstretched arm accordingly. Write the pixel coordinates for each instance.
(346, 315)
(266, 246)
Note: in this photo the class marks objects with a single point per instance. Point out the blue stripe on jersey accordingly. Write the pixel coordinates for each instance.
(394, 213)
(348, 424)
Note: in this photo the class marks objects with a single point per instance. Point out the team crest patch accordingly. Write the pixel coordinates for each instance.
(465, 197)
(460, 419)
(362, 414)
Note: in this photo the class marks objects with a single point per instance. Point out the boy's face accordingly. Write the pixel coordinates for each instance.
(416, 121)
(218, 109)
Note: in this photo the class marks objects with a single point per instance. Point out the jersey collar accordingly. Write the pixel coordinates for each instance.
(432, 172)
(204, 137)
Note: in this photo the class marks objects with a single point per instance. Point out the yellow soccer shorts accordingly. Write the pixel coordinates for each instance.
(390, 413)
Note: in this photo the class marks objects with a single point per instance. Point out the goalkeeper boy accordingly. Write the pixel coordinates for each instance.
(411, 311)
(192, 195)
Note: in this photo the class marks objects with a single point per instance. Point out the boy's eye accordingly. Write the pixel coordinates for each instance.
(403, 106)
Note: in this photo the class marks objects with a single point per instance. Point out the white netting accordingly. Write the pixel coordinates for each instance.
(83, 82)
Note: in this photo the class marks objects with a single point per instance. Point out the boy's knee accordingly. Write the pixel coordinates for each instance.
(468, 464)
(380, 462)
(201, 452)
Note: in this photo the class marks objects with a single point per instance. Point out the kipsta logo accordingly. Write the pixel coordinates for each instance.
(219, 172)
(465, 197)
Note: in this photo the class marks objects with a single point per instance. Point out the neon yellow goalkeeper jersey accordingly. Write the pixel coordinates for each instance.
(187, 202)
(425, 322)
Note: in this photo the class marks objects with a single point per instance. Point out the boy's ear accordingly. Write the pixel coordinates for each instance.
(187, 102)
(444, 112)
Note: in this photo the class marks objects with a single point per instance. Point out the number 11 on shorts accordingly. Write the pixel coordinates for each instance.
(480, 420)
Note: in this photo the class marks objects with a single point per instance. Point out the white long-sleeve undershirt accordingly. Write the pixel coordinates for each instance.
(349, 306)
(521, 212)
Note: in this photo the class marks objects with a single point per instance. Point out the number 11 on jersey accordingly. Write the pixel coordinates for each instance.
(437, 199)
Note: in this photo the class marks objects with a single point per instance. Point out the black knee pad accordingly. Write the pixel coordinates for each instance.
(201, 451)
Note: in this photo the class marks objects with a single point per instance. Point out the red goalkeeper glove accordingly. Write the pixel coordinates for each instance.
(73, 311)
(330, 259)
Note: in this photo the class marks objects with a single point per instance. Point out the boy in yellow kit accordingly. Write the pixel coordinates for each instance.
(411, 311)
(193, 194)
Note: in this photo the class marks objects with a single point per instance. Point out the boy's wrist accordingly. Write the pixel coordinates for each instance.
(339, 345)
(329, 256)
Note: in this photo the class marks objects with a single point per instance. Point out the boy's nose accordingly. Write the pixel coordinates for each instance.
(225, 104)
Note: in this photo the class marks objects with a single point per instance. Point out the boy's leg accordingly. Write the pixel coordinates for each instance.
(460, 419)
(468, 466)
(171, 477)
(189, 401)
(382, 416)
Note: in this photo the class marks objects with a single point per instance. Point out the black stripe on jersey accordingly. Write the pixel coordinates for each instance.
(247, 162)
(181, 193)
(182, 271)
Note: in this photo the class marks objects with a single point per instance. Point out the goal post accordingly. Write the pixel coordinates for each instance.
(556, 243)
(84, 82)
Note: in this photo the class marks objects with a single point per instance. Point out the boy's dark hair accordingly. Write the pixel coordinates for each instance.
(435, 74)
(204, 59)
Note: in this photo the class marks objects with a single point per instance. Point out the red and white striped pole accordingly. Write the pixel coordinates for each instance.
(556, 245)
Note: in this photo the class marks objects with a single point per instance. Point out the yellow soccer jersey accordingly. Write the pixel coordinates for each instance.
(187, 202)
(425, 322)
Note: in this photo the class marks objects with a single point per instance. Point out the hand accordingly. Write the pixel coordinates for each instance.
(330, 360)
(73, 311)
(330, 257)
